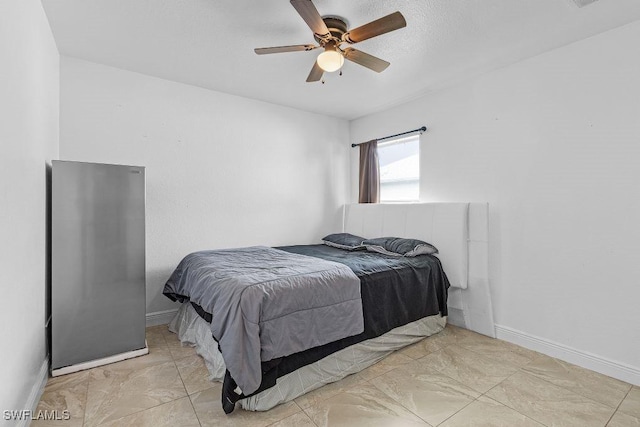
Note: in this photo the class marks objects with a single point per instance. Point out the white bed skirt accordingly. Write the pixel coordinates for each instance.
(195, 331)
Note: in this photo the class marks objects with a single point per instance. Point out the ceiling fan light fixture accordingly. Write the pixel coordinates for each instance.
(330, 32)
(330, 60)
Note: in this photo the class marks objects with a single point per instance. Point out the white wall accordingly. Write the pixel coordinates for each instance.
(29, 102)
(222, 171)
(553, 144)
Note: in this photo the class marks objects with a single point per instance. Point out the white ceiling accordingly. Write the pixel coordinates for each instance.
(209, 43)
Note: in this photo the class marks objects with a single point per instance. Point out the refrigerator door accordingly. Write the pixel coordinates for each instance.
(98, 261)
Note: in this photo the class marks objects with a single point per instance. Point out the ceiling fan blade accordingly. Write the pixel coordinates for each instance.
(375, 28)
(310, 14)
(280, 49)
(315, 74)
(371, 62)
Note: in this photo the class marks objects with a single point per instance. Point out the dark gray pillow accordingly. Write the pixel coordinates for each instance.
(396, 246)
(345, 241)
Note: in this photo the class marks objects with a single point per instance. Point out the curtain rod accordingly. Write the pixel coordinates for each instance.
(422, 129)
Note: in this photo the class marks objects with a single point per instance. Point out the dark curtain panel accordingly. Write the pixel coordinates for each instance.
(369, 173)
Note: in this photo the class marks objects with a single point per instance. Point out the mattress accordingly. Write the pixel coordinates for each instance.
(395, 291)
(193, 330)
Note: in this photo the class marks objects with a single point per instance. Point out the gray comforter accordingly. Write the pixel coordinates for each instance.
(266, 303)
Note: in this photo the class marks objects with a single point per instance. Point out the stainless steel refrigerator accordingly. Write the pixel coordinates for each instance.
(97, 264)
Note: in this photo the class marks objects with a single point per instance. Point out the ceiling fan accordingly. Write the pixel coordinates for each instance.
(330, 32)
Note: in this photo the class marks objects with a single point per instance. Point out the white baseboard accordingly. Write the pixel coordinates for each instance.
(161, 317)
(36, 391)
(618, 370)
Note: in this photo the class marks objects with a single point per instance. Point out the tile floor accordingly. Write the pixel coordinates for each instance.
(455, 378)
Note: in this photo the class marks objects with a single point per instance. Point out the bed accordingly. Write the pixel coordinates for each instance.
(402, 300)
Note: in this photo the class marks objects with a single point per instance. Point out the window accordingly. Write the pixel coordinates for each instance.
(400, 169)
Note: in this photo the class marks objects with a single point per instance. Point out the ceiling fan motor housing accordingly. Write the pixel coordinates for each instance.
(337, 28)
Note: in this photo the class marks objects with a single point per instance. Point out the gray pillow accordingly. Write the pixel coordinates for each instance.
(396, 246)
(344, 241)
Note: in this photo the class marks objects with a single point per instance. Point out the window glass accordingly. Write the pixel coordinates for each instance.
(400, 169)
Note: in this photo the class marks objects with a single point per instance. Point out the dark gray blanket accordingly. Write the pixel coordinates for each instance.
(267, 303)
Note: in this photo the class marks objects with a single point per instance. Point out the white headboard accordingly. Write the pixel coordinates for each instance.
(458, 230)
